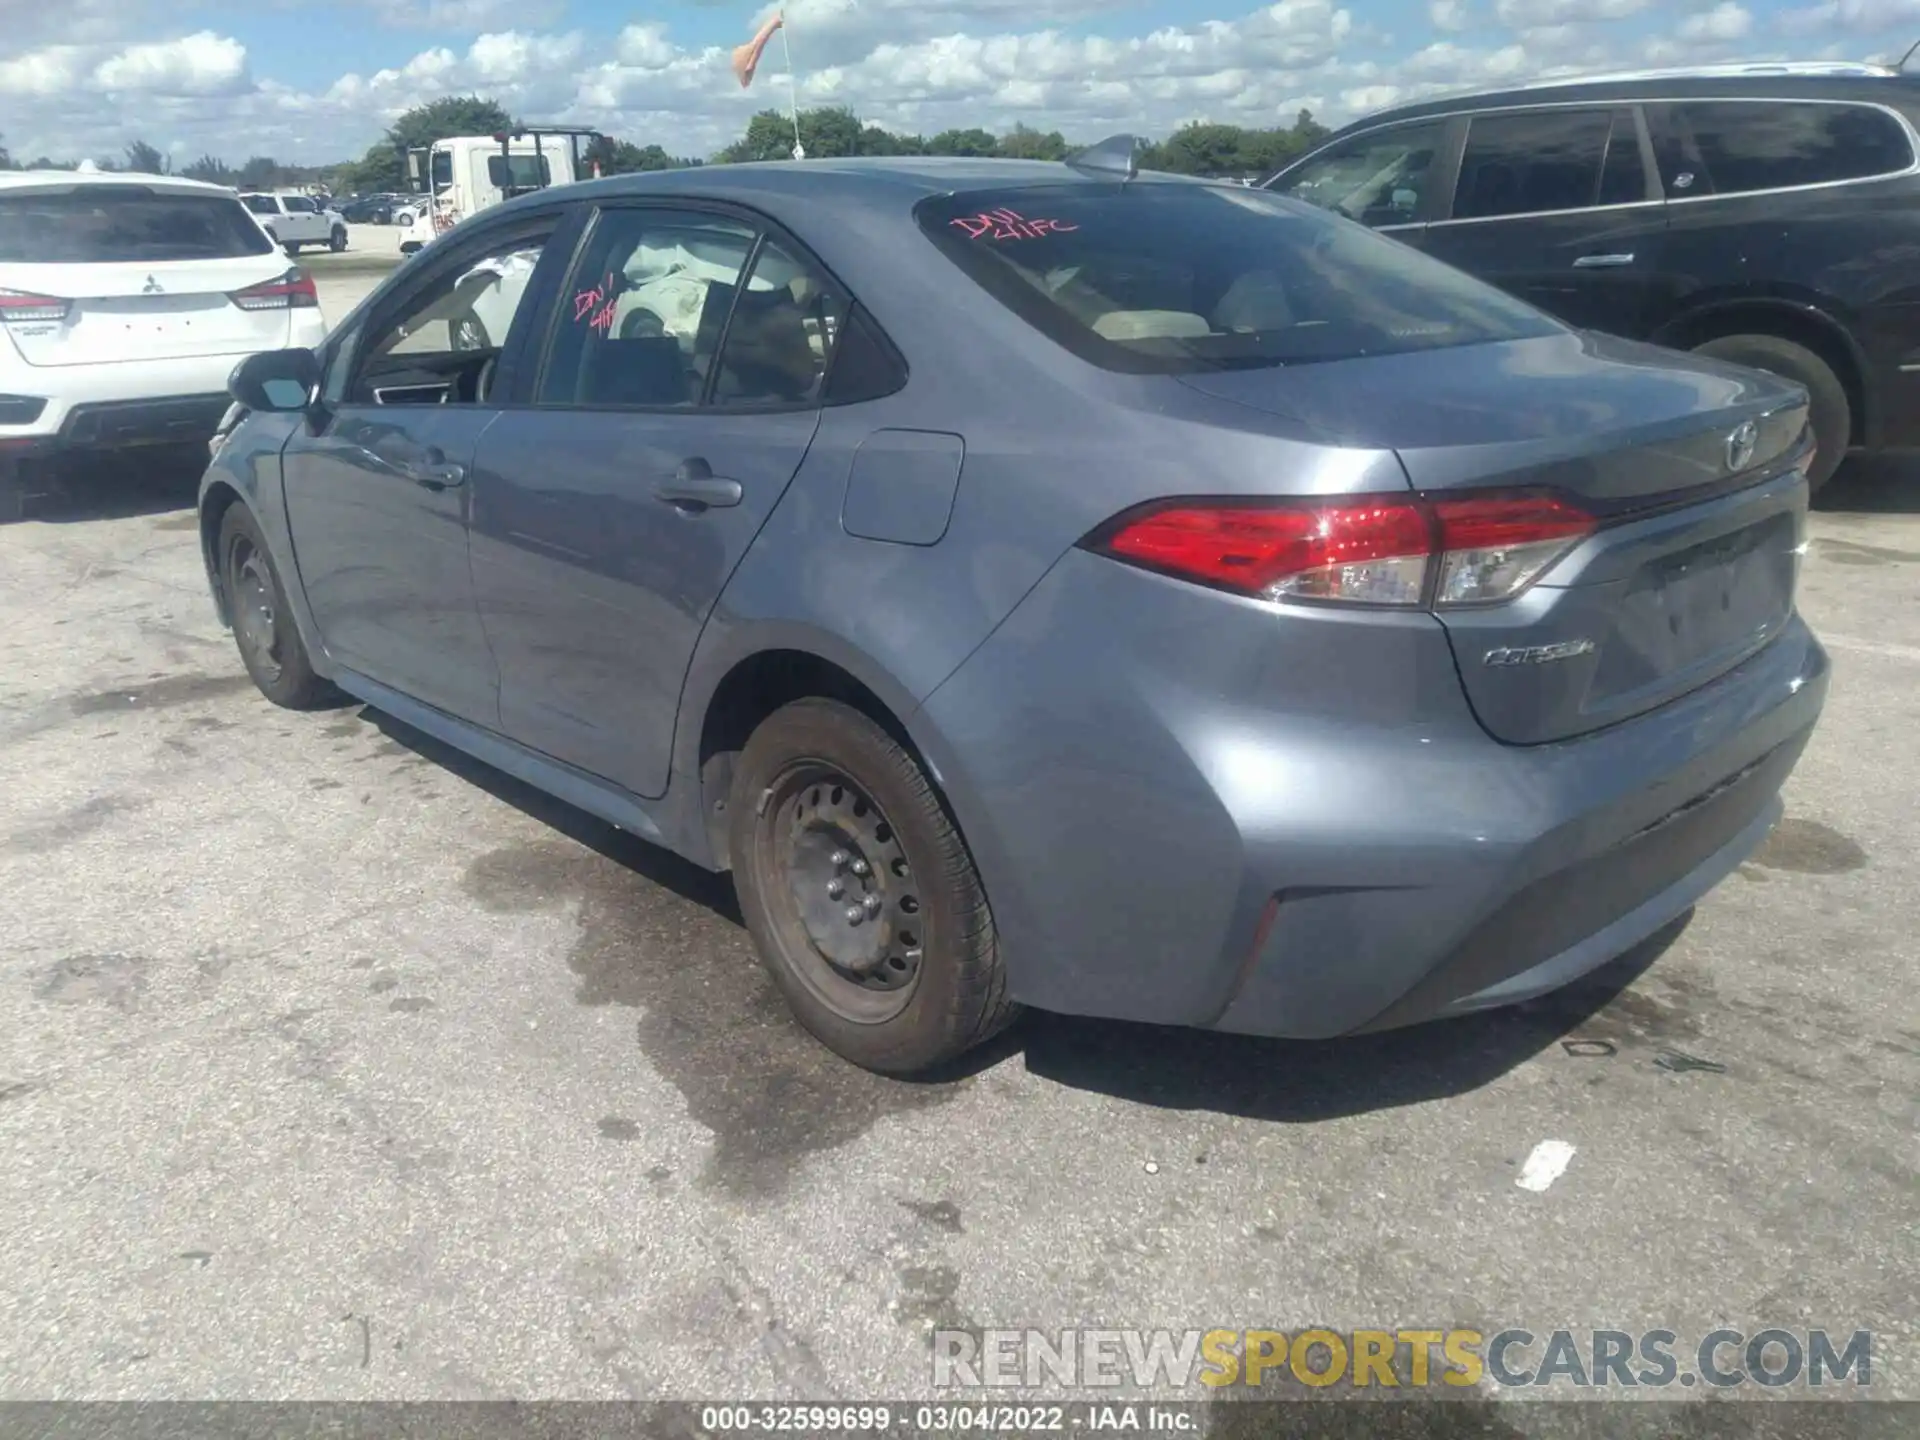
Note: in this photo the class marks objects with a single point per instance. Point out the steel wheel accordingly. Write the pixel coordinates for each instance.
(844, 892)
(255, 608)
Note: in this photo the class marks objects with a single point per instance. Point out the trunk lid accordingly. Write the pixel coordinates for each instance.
(145, 271)
(1689, 467)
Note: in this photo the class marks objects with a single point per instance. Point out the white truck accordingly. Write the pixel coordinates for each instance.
(465, 174)
(294, 219)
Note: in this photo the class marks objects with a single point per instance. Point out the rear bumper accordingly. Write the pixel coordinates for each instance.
(1296, 828)
(124, 403)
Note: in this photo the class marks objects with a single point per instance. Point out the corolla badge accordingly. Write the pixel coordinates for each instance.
(1741, 444)
(1537, 654)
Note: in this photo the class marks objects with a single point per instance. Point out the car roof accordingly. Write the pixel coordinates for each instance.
(54, 179)
(891, 184)
(1798, 81)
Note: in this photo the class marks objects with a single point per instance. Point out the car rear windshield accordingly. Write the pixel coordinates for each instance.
(1172, 277)
(97, 224)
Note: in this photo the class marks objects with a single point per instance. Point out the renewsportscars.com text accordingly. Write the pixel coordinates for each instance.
(1400, 1358)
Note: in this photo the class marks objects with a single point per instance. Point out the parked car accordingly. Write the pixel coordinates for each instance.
(124, 305)
(1764, 214)
(297, 220)
(368, 210)
(1158, 600)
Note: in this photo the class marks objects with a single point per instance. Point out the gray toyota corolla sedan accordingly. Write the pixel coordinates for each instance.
(1045, 585)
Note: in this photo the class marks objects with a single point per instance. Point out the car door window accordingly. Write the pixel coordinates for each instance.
(298, 205)
(440, 347)
(641, 320)
(1379, 178)
(1732, 147)
(780, 337)
(1541, 161)
(261, 204)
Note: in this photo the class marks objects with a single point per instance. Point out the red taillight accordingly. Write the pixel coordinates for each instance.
(1366, 550)
(17, 307)
(292, 291)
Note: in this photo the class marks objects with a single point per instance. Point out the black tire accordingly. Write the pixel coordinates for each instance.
(337, 241)
(263, 627)
(1829, 410)
(292, 247)
(938, 987)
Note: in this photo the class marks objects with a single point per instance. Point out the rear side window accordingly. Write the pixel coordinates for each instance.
(298, 205)
(1540, 161)
(104, 224)
(519, 172)
(1171, 277)
(261, 204)
(1731, 147)
(1378, 178)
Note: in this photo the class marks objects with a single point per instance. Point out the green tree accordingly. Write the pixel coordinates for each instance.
(1024, 143)
(210, 168)
(825, 132)
(6, 160)
(384, 166)
(964, 142)
(143, 159)
(622, 157)
(261, 172)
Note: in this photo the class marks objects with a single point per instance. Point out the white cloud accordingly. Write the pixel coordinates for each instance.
(916, 65)
(1726, 21)
(198, 64)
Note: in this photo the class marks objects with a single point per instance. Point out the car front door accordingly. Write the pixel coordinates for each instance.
(679, 394)
(1389, 179)
(1560, 207)
(304, 223)
(378, 482)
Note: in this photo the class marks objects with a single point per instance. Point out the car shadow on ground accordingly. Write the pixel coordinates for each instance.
(1164, 1066)
(1884, 485)
(124, 486)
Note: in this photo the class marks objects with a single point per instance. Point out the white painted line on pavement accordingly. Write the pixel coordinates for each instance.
(1546, 1164)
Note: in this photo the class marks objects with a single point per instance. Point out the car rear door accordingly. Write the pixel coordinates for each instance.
(1559, 205)
(378, 482)
(673, 407)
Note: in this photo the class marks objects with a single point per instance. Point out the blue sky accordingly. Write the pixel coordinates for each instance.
(316, 80)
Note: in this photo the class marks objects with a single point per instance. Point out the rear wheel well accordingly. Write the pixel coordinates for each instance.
(753, 690)
(220, 498)
(1786, 323)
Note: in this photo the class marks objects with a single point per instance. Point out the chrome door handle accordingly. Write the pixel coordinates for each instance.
(440, 475)
(695, 487)
(1603, 262)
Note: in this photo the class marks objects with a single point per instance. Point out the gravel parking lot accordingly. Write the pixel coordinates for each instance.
(341, 1067)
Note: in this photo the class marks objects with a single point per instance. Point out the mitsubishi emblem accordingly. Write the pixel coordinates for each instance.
(152, 287)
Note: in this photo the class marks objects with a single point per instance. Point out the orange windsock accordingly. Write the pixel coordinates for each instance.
(746, 58)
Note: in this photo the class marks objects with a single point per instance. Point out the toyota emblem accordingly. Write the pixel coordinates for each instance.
(1741, 444)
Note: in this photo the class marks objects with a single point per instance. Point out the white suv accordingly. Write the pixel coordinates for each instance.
(125, 302)
(296, 220)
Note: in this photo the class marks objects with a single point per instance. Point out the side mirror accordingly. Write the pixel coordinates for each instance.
(276, 380)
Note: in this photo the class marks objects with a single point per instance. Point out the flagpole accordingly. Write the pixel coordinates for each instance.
(793, 92)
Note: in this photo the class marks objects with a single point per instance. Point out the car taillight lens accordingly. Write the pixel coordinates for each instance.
(1494, 547)
(292, 291)
(1361, 550)
(21, 308)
